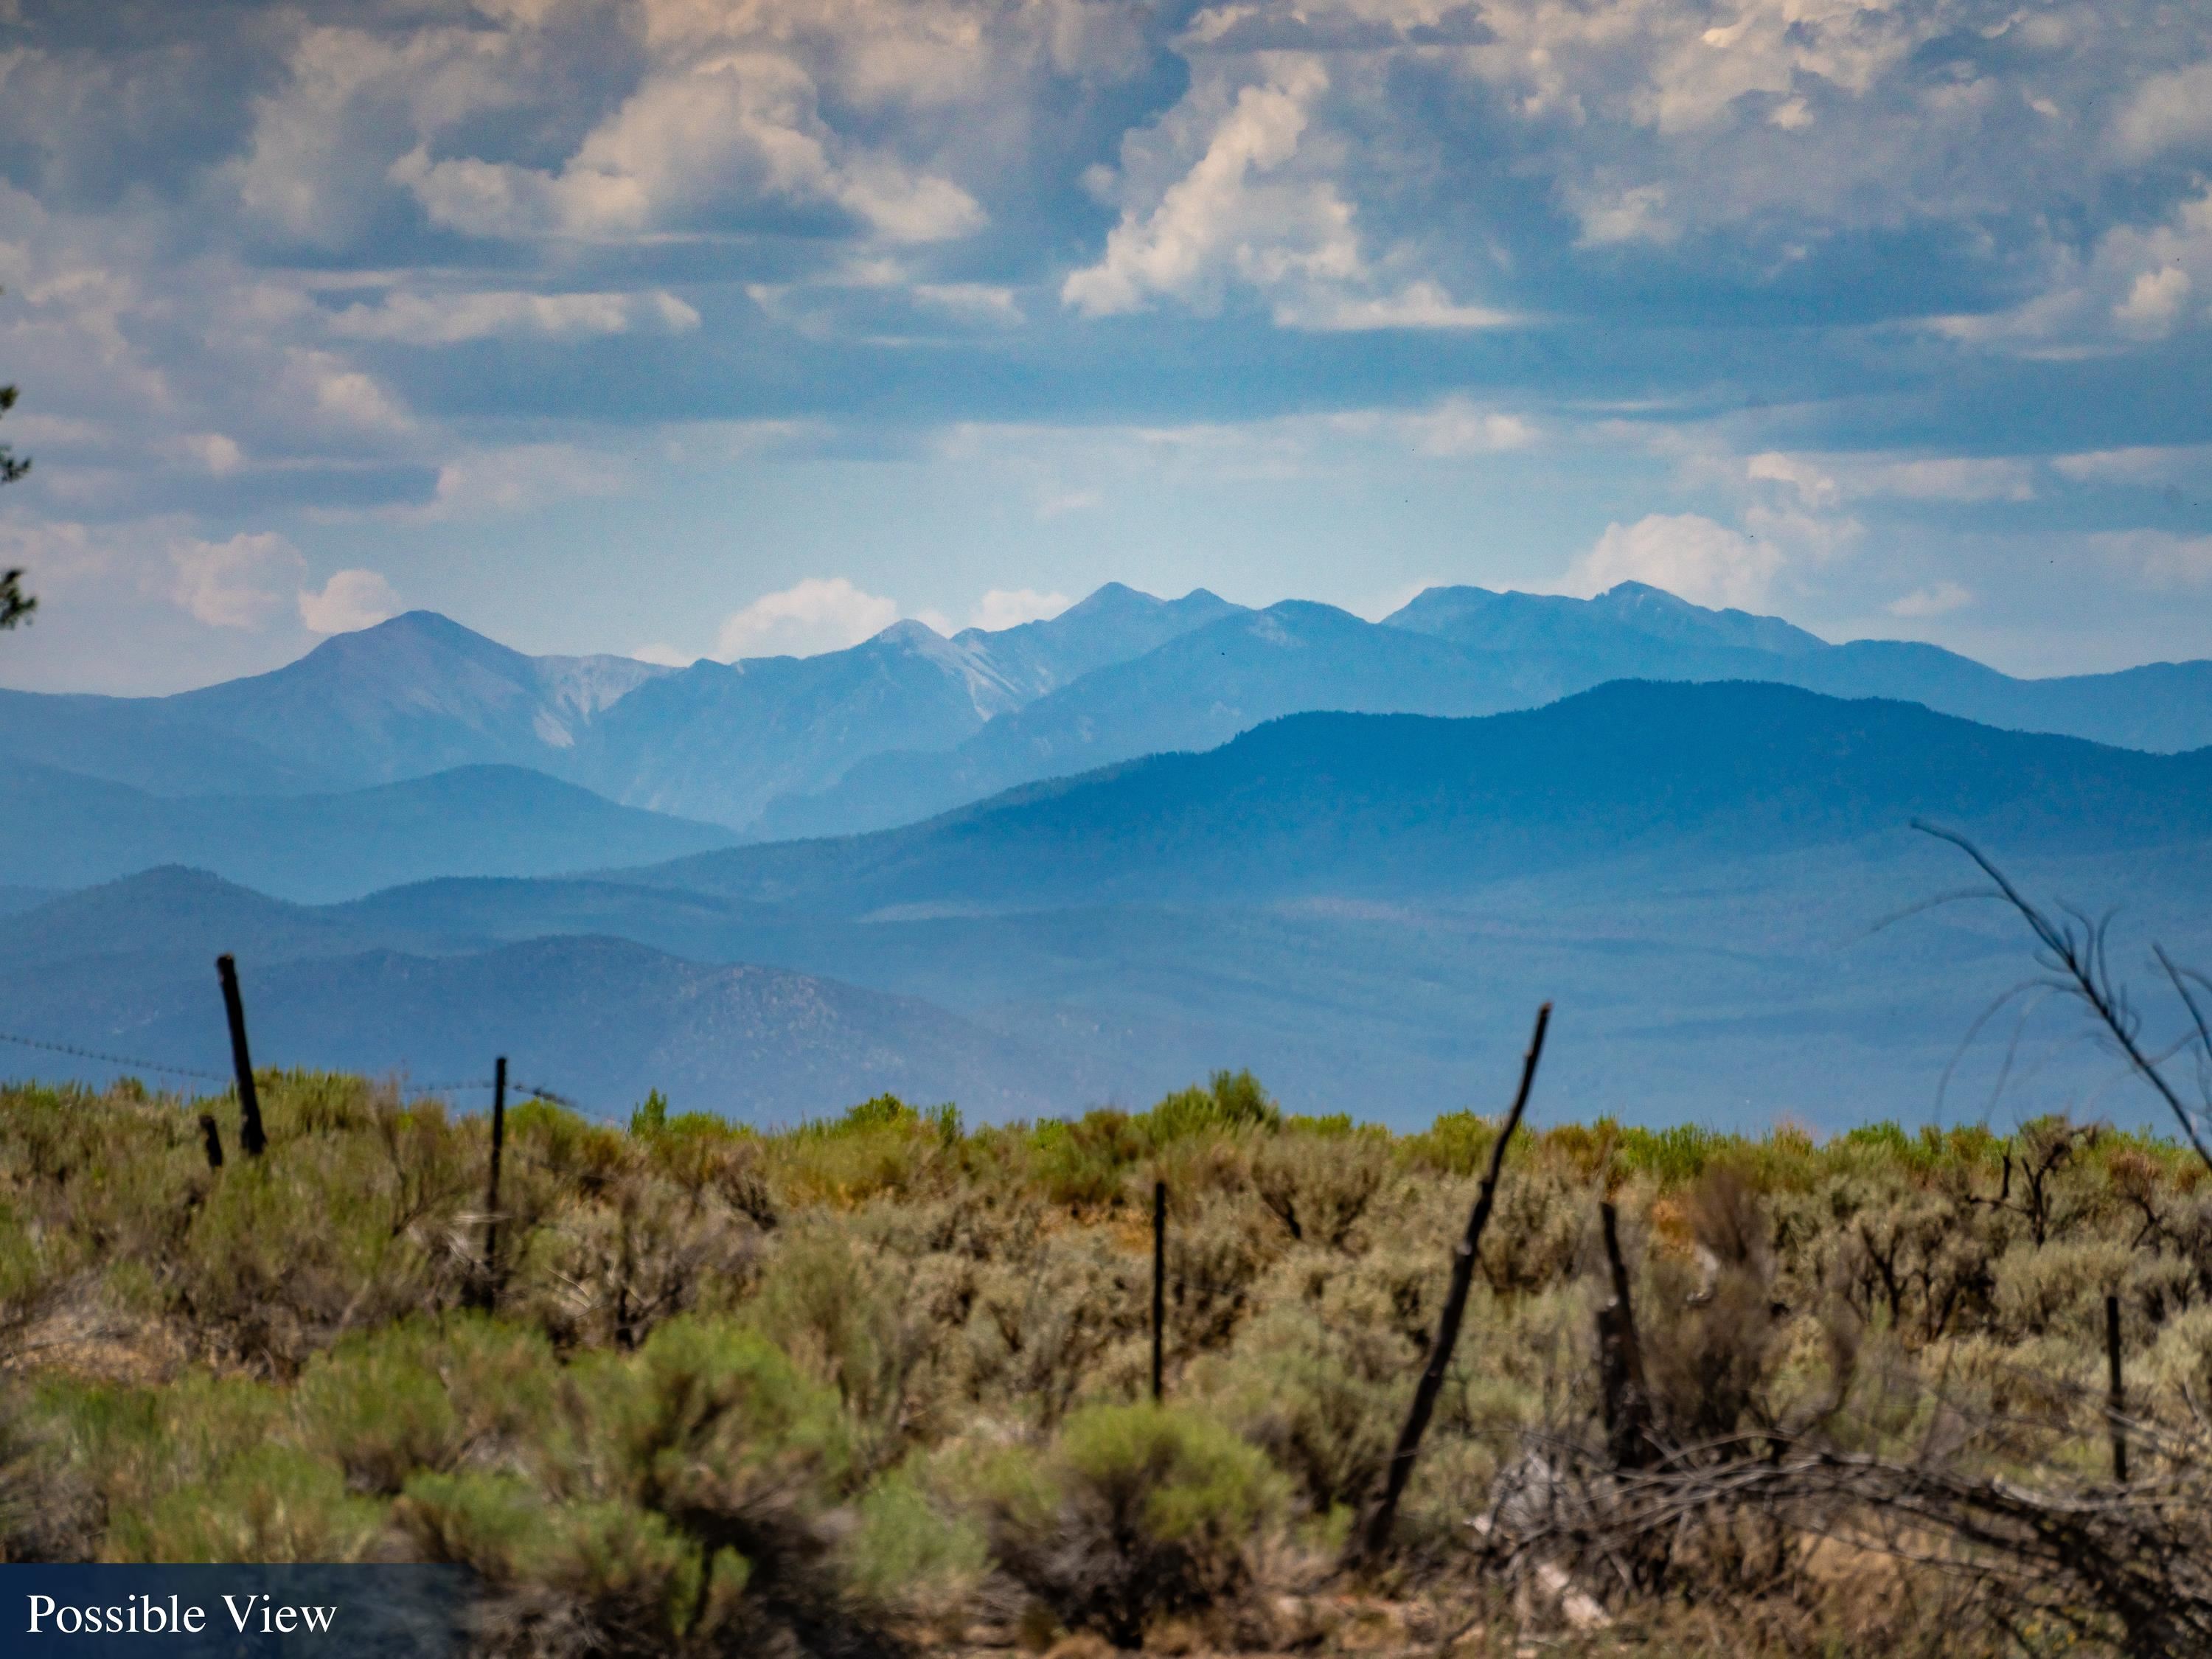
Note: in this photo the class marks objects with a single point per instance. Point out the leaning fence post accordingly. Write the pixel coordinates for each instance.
(241, 1059)
(2118, 1393)
(491, 1184)
(1621, 1360)
(1159, 1282)
(1376, 1533)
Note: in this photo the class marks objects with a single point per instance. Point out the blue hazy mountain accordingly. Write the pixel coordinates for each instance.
(1637, 631)
(421, 694)
(1460, 651)
(1197, 691)
(60, 828)
(1364, 908)
(1114, 625)
(909, 724)
(416, 695)
(1615, 626)
(721, 741)
(1402, 805)
(588, 1017)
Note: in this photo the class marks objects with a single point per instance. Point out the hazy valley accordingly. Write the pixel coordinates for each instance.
(452, 850)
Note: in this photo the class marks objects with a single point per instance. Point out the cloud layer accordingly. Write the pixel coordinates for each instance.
(1808, 303)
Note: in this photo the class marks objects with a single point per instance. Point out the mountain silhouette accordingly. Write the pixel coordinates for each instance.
(1363, 908)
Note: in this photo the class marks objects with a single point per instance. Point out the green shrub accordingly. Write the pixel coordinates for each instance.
(1231, 1100)
(1675, 1155)
(823, 1303)
(1320, 1186)
(709, 1413)
(375, 1407)
(1457, 1144)
(607, 1578)
(749, 1391)
(1086, 1162)
(277, 1503)
(1134, 1512)
(1323, 1397)
(650, 1116)
(136, 1444)
(913, 1555)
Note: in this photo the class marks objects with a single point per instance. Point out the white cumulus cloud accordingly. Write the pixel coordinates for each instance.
(730, 134)
(1010, 607)
(822, 613)
(1458, 427)
(433, 319)
(1223, 214)
(1934, 600)
(1221, 191)
(350, 599)
(1687, 553)
(243, 582)
(2160, 558)
(2167, 111)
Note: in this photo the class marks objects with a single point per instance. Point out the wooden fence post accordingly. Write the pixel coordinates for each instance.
(1159, 1284)
(2118, 1398)
(211, 1138)
(1621, 1361)
(1376, 1533)
(250, 1136)
(491, 1184)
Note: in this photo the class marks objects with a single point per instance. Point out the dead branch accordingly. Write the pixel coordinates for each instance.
(2075, 953)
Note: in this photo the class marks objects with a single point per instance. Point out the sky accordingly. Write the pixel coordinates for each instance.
(729, 327)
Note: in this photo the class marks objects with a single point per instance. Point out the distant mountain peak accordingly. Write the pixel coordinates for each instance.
(1657, 611)
(419, 621)
(1488, 621)
(907, 630)
(1110, 596)
(412, 629)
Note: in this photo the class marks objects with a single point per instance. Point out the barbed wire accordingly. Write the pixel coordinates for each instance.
(129, 1063)
(115, 1059)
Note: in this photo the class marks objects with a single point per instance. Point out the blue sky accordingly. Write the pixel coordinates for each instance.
(727, 326)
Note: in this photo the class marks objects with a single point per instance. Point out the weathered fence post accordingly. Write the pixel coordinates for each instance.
(1159, 1284)
(1621, 1361)
(2118, 1392)
(250, 1136)
(211, 1138)
(1376, 1533)
(491, 1184)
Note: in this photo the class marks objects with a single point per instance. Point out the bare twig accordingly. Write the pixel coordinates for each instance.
(2075, 951)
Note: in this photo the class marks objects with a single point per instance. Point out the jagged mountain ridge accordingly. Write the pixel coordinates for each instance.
(421, 694)
(1466, 652)
(908, 724)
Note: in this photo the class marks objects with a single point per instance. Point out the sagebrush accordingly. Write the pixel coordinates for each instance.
(878, 1384)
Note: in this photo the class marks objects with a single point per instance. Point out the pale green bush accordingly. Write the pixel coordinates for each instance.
(1131, 1513)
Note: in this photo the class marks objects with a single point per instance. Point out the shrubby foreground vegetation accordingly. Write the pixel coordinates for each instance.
(879, 1385)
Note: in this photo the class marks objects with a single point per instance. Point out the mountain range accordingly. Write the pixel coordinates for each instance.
(909, 724)
(1706, 879)
(716, 741)
(62, 829)
(1407, 807)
